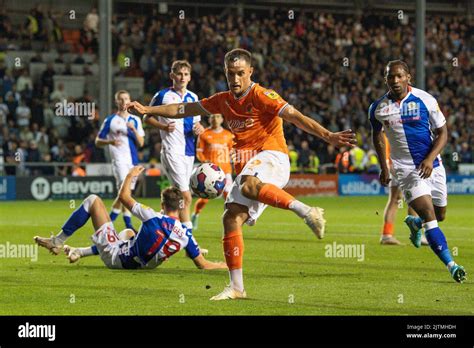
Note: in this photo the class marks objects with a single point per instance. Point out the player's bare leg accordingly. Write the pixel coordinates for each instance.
(185, 214)
(234, 217)
(92, 207)
(252, 188)
(389, 215)
(116, 209)
(440, 213)
(423, 206)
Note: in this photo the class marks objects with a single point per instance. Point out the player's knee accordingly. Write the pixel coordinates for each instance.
(233, 218)
(89, 201)
(249, 189)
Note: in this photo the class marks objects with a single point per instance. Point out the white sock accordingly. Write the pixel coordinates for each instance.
(450, 265)
(85, 251)
(116, 211)
(61, 238)
(299, 208)
(188, 224)
(237, 279)
(127, 213)
(430, 225)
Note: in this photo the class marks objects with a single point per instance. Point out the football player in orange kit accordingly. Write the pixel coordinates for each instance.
(255, 116)
(214, 145)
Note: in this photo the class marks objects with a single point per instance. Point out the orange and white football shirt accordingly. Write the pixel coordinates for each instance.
(253, 118)
(215, 147)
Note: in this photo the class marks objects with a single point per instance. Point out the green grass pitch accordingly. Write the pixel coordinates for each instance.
(286, 270)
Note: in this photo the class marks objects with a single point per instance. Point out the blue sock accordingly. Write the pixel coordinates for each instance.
(113, 215)
(77, 219)
(95, 250)
(438, 244)
(128, 221)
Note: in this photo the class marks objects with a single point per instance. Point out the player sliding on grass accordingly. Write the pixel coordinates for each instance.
(159, 237)
(255, 116)
(416, 131)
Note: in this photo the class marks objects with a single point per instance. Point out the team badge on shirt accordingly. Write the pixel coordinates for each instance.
(272, 94)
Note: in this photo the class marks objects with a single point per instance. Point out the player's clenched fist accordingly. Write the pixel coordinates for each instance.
(385, 177)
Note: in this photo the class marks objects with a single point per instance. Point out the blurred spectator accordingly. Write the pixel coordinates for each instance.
(92, 21)
(59, 94)
(3, 111)
(24, 82)
(466, 153)
(23, 114)
(304, 156)
(47, 77)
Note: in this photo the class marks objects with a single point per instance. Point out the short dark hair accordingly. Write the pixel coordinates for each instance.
(399, 62)
(236, 54)
(172, 198)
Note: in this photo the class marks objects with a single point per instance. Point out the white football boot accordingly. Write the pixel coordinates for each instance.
(52, 244)
(315, 220)
(229, 294)
(73, 254)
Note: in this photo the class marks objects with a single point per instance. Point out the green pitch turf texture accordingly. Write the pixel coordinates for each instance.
(286, 271)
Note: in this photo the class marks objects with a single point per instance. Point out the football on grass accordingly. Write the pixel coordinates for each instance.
(208, 180)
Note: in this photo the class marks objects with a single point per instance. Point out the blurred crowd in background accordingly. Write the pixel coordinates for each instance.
(328, 66)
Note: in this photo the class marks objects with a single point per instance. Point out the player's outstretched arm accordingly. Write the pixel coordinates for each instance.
(125, 193)
(177, 110)
(202, 263)
(338, 139)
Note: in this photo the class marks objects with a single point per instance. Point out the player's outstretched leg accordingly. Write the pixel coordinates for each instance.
(274, 196)
(234, 217)
(198, 207)
(436, 238)
(91, 206)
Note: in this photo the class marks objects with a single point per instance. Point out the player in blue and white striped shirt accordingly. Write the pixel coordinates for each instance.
(159, 237)
(416, 131)
(123, 134)
(178, 142)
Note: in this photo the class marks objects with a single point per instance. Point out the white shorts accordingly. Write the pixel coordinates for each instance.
(120, 171)
(178, 169)
(393, 182)
(108, 244)
(271, 167)
(228, 183)
(412, 186)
